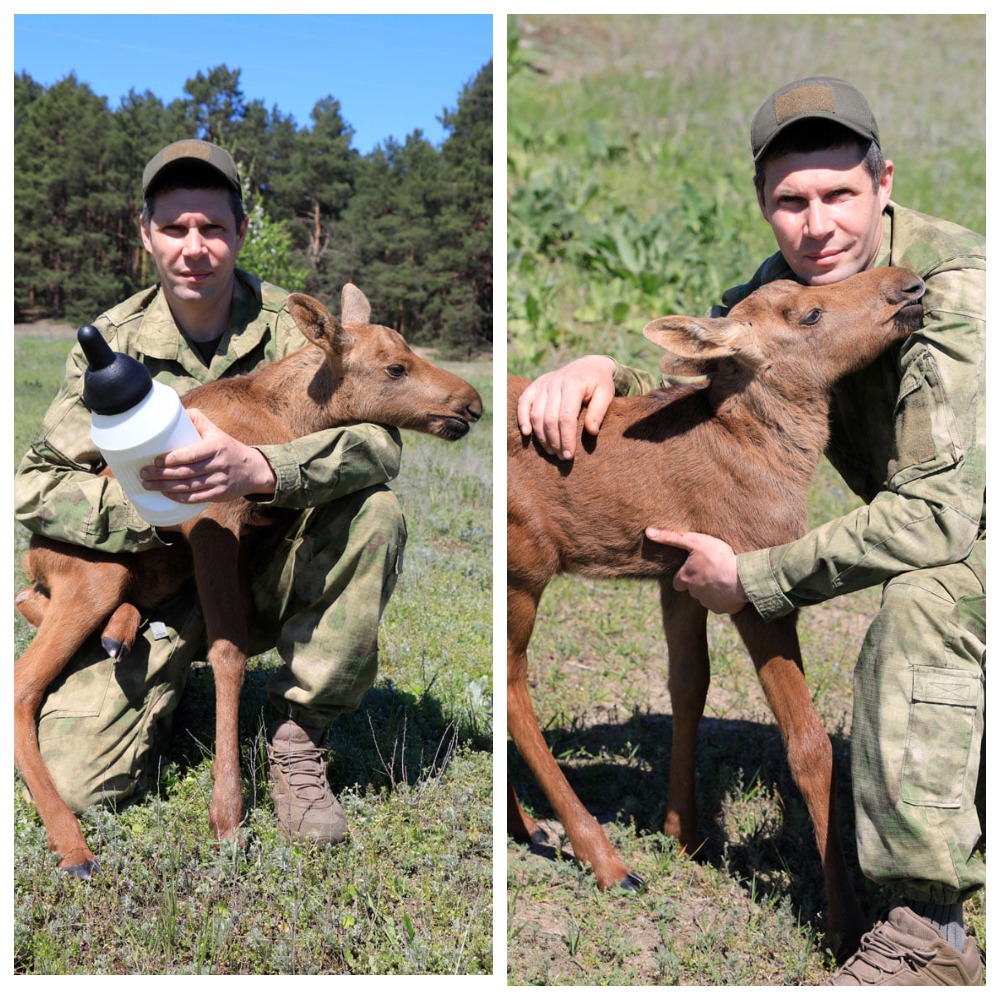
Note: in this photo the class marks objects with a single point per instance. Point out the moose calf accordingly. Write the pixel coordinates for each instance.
(352, 371)
(731, 456)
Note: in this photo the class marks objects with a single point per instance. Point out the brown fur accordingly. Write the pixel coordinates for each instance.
(731, 457)
(352, 371)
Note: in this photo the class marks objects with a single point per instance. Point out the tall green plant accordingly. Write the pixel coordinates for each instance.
(268, 253)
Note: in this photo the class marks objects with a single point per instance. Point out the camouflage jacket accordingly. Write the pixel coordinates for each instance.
(908, 433)
(57, 491)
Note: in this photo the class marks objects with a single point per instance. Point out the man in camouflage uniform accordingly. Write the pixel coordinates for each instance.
(319, 585)
(908, 436)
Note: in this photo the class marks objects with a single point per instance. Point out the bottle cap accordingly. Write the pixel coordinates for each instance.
(113, 382)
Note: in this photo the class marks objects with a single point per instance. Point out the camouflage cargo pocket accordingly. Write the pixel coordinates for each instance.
(81, 693)
(940, 736)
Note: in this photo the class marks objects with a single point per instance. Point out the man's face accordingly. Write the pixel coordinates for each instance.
(825, 212)
(193, 239)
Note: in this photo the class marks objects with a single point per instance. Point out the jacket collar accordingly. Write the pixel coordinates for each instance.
(160, 337)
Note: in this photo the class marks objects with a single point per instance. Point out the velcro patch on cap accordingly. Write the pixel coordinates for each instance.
(809, 99)
(178, 150)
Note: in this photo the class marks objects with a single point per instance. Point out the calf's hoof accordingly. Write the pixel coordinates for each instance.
(84, 870)
(229, 835)
(527, 833)
(843, 944)
(227, 809)
(632, 882)
(115, 649)
(533, 834)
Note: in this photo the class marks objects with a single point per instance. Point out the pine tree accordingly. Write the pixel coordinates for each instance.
(317, 184)
(217, 105)
(391, 221)
(140, 124)
(67, 202)
(465, 320)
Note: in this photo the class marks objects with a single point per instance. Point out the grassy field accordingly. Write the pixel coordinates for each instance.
(412, 892)
(629, 197)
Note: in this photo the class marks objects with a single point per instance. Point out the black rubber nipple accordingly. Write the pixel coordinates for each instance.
(113, 382)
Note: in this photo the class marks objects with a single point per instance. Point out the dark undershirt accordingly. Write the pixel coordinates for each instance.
(207, 348)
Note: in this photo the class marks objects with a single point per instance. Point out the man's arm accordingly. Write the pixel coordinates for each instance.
(327, 465)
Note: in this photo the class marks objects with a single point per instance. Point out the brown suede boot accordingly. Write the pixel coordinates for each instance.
(904, 950)
(305, 806)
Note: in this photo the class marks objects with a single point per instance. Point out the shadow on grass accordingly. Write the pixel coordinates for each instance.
(752, 819)
(393, 738)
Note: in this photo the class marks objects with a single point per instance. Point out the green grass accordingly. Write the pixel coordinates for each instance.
(630, 197)
(412, 892)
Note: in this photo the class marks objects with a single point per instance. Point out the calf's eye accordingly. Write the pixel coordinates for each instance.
(812, 318)
(396, 371)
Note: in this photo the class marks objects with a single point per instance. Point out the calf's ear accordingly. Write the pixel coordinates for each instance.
(697, 346)
(316, 322)
(354, 307)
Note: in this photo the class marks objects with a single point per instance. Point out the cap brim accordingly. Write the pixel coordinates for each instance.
(827, 116)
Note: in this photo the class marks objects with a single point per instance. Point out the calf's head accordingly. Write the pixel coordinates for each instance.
(377, 377)
(795, 339)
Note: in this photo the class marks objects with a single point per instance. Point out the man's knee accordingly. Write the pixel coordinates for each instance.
(376, 512)
(368, 531)
(102, 723)
(80, 788)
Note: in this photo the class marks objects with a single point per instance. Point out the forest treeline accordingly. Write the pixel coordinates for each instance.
(410, 223)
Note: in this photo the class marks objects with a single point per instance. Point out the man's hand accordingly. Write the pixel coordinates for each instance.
(217, 468)
(709, 573)
(550, 407)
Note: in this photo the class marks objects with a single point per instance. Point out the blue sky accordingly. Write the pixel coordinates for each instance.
(392, 74)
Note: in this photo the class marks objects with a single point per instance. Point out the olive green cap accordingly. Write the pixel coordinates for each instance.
(815, 97)
(192, 149)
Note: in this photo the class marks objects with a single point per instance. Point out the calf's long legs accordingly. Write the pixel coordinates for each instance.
(225, 601)
(684, 621)
(84, 601)
(774, 648)
(590, 844)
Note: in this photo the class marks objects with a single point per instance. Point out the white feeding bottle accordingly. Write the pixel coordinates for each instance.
(132, 420)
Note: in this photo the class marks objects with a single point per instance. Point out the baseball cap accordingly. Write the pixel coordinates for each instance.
(814, 97)
(192, 149)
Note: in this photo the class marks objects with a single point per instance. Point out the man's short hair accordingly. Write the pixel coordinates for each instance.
(813, 134)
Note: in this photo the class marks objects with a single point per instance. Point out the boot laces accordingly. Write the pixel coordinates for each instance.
(304, 769)
(881, 953)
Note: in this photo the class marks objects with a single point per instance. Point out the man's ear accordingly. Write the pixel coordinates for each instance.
(760, 203)
(885, 185)
(241, 234)
(144, 233)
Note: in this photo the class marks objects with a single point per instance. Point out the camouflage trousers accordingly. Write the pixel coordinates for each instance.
(917, 740)
(319, 586)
